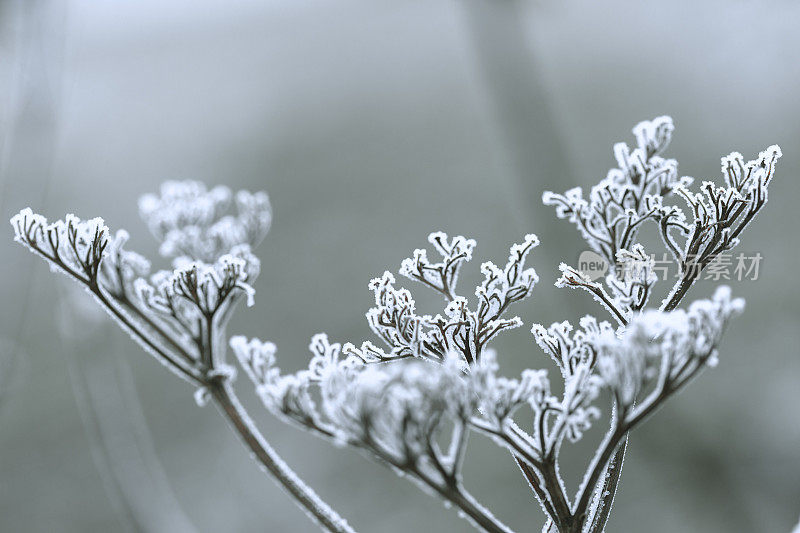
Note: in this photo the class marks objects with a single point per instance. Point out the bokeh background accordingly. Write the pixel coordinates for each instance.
(371, 123)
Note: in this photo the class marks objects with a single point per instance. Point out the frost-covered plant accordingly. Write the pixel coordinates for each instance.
(179, 315)
(412, 404)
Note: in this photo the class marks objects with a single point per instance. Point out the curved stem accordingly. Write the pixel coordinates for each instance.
(473, 511)
(227, 402)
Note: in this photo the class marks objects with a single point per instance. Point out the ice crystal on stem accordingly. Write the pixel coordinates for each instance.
(180, 315)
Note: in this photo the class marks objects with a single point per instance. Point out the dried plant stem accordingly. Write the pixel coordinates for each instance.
(476, 513)
(229, 405)
(608, 489)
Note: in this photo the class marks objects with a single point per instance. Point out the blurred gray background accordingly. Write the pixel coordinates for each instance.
(371, 123)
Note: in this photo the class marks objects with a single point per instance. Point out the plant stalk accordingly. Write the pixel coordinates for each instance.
(229, 405)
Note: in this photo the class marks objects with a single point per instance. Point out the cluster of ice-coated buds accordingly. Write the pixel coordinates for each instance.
(397, 411)
(191, 221)
(72, 245)
(180, 314)
(459, 328)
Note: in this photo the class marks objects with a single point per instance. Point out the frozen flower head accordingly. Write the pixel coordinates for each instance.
(121, 268)
(498, 397)
(458, 328)
(191, 221)
(71, 245)
(631, 193)
(196, 290)
(257, 358)
(671, 345)
(443, 275)
(182, 204)
(395, 409)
